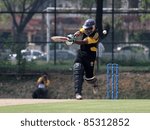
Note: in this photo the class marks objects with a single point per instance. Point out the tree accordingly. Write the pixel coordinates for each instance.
(87, 3)
(146, 17)
(23, 6)
(145, 5)
(27, 9)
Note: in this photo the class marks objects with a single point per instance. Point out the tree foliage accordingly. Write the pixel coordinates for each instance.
(27, 9)
(22, 6)
(88, 3)
(145, 5)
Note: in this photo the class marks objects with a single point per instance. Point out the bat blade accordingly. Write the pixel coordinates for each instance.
(59, 38)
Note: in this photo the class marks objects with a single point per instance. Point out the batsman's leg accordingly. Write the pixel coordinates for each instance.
(78, 72)
(94, 82)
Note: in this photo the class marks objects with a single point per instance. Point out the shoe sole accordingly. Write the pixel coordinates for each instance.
(79, 98)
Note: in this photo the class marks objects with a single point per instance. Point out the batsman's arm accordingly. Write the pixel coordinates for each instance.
(77, 34)
(81, 42)
(88, 40)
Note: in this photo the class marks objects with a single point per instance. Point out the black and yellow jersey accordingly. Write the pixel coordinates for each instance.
(93, 40)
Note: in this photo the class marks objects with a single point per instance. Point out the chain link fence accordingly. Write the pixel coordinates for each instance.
(128, 41)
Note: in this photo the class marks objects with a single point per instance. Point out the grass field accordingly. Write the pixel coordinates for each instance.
(82, 106)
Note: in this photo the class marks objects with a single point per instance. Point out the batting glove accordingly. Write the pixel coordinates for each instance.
(71, 39)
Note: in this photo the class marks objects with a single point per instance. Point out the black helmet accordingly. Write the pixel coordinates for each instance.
(89, 26)
(89, 23)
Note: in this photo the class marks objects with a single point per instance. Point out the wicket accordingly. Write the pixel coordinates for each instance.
(112, 81)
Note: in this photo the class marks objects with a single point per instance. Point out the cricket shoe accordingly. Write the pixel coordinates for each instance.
(78, 96)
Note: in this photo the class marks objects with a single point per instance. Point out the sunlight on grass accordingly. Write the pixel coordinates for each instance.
(83, 106)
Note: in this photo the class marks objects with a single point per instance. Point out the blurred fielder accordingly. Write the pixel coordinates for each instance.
(42, 87)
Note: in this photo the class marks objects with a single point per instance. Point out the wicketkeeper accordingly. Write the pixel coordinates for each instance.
(42, 87)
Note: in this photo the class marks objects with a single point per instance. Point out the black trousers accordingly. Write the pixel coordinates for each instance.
(40, 93)
(87, 60)
(83, 65)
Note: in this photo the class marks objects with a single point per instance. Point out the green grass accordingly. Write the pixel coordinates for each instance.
(40, 66)
(83, 106)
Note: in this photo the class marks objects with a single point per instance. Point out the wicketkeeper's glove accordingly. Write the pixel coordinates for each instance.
(71, 39)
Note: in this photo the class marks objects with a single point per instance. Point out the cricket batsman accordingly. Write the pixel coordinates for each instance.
(83, 68)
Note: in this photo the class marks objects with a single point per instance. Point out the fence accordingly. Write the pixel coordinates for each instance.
(128, 39)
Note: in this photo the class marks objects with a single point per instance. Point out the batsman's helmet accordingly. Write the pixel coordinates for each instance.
(89, 26)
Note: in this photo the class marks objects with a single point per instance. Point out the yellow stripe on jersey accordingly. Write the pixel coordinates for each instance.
(93, 49)
(91, 40)
(94, 39)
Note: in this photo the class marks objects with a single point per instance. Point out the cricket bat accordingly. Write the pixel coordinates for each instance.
(59, 39)
(63, 39)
